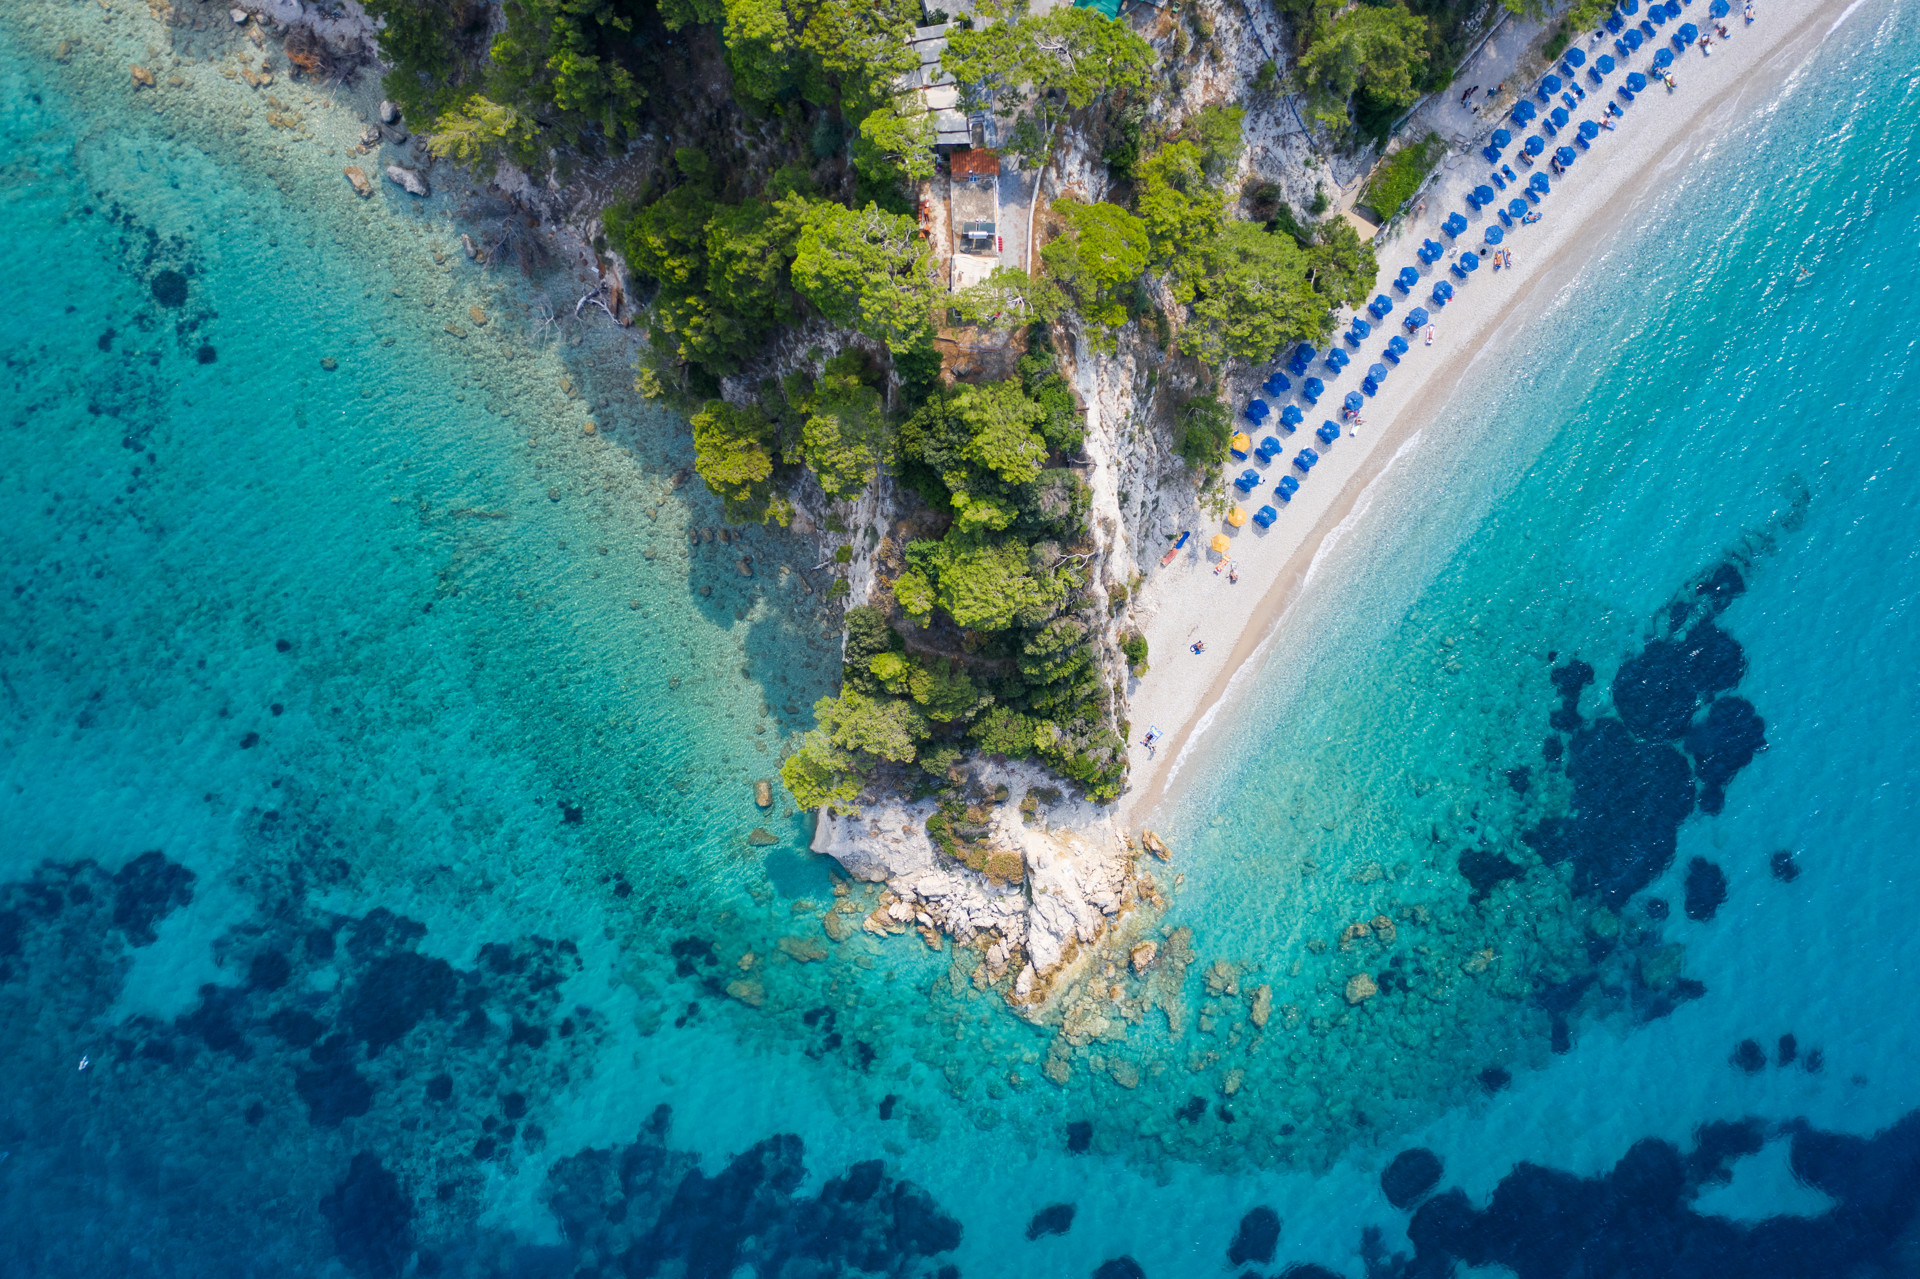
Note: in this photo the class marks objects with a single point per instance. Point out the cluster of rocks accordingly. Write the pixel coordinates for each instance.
(1034, 897)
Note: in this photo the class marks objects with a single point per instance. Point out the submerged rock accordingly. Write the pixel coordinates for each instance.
(408, 180)
(1262, 1008)
(1360, 988)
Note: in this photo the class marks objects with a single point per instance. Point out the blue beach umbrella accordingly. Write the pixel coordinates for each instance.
(1602, 68)
(1673, 8)
(1663, 59)
(1380, 306)
(1633, 38)
(1469, 262)
(1291, 416)
(1454, 224)
(1566, 156)
(1276, 384)
(1718, 9)
(1396, 346)
(1575, 58)
(1302, 356)
(1305, 460)
(1417, 318)
(1358, 333)
(1636, 82)
(1312, 389)
(1589, 130)
(1535, 145)
(1686, 35)
(1517, 208)
(1483, 194)
(1377, 372)
(1442, 293)
(1539, 183)
(1338, 359)
(1549, 85)
(1354, 401)
(1502, 139)
(1329, 432)
(1523, 111)
(1657, 15)
(1614, 24)
(1257, 410)
(1286, 488)
(1407, 278)
(1559, 117)
(1495, 235)
(1629, 7)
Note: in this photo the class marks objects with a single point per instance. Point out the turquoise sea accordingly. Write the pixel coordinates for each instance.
(382, 887)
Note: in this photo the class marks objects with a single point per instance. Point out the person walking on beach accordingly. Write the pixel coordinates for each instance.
(1468, 94)
(1749, 12)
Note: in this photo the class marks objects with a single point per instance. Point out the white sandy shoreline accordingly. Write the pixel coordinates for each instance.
(1183, 694)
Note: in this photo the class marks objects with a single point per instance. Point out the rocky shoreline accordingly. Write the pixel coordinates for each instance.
(1042, 886)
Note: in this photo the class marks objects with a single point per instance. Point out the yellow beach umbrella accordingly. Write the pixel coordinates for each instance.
(1221, 544)
(1241, 444)
(1237, 516)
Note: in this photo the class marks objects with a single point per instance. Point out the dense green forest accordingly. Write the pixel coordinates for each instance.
(986, 629)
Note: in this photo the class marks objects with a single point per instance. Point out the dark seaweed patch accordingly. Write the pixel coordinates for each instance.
(1054, 1219)
(169, 288)
(1410, 1176)
(397, 991)
(651, 1210)
(1706, 889)
(1256, 1238)
(372, 1219)
(1722, 743)
(1638, 1219)
(147, 890)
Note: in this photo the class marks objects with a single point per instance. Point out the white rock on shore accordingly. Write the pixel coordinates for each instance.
(408, 180)
(1078, 878)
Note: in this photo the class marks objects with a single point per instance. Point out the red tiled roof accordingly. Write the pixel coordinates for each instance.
(976, 163)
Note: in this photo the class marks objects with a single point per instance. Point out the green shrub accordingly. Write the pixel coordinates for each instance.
(1135, 648)
(1398, 176)
(1205, 428)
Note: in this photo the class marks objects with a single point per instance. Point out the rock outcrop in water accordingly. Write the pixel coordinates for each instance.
(1033, 897)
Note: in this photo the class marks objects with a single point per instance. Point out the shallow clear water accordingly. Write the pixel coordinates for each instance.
(441, 734)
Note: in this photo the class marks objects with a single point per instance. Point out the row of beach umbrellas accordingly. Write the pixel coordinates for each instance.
(1562, 85)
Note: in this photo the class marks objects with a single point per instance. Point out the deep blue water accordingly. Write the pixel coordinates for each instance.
(379, 751)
